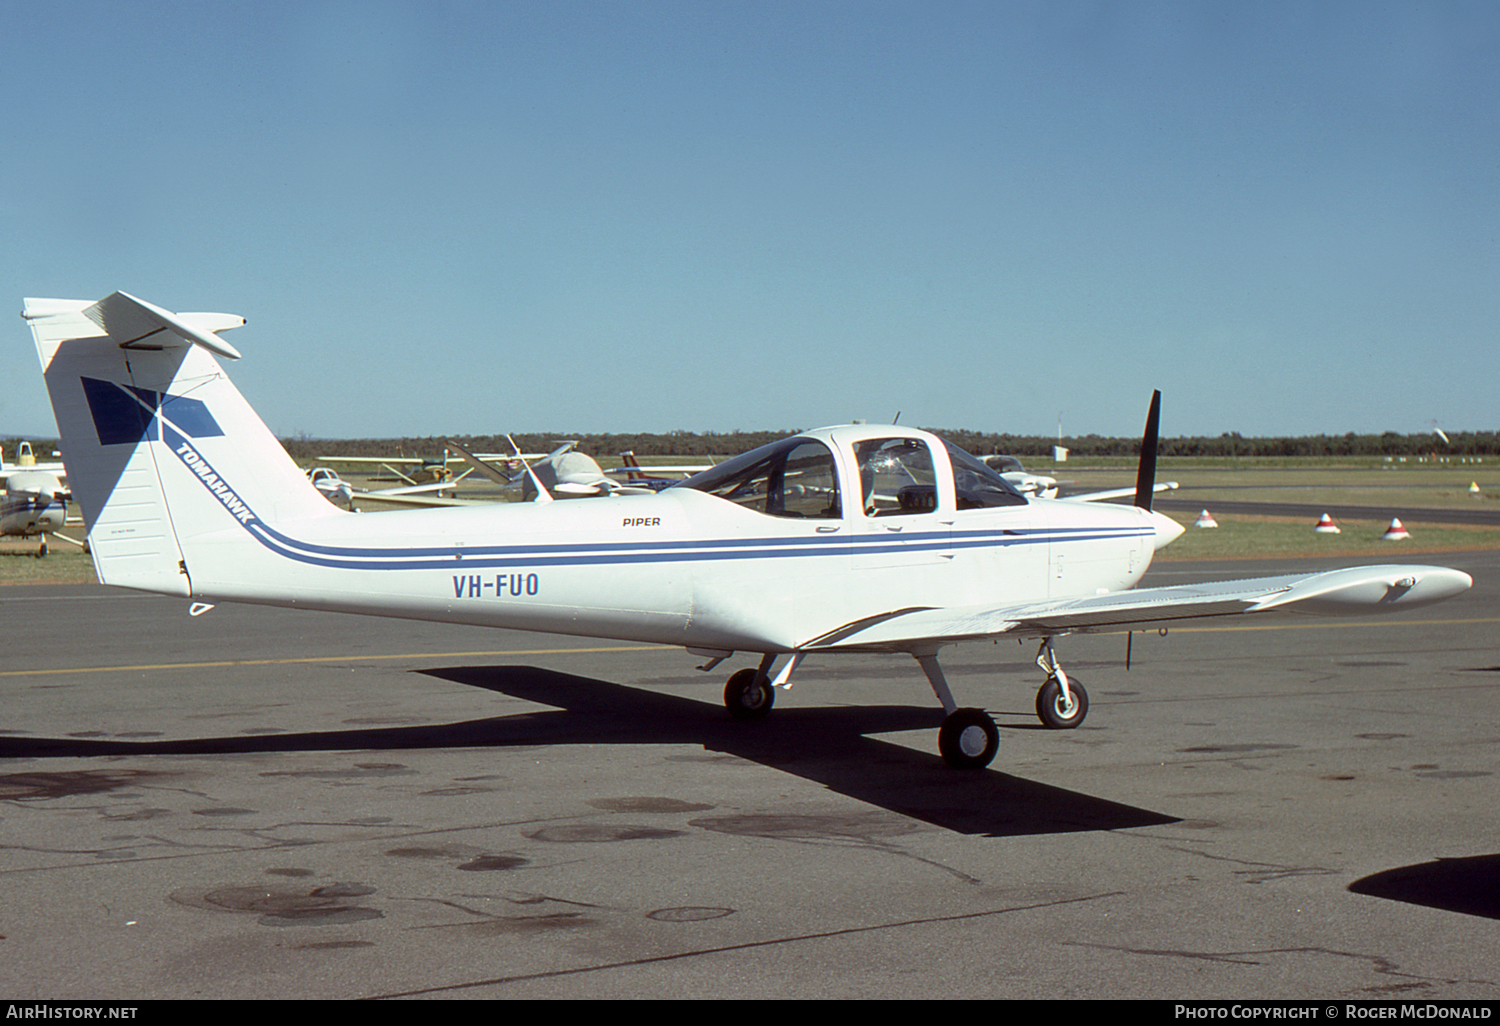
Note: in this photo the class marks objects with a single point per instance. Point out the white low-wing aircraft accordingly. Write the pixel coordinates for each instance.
(1044, 487)
(858, 538)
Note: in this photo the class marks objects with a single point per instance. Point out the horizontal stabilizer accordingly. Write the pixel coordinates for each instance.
(137, 324)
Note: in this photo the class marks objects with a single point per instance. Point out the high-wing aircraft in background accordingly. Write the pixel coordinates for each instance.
(430, 473)
(856, 538)
(26, 460)
(419, 470)
(33, 498)
(563, 473)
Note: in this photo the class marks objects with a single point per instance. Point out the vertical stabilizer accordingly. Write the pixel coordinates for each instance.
(161, 448)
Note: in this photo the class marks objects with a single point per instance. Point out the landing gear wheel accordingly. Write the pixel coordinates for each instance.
(968, 739)
(1055, 711)
(41, 553)
(748, 695)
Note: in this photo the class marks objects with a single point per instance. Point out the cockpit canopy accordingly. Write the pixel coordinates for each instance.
(884, 475)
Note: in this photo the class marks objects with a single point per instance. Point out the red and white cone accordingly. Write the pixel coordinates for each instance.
(1205, 519)
(1395, 532)
(1325, 525)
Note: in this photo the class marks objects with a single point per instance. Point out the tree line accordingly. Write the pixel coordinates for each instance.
(688, 443)
(732, 443)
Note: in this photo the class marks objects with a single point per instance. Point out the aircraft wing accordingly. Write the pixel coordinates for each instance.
(421, 500)
(58, 470)
(646, 470)
(419, 461)
(1118, 493)
(1346, 592)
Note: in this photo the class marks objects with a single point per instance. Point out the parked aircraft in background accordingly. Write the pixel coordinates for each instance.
(854, 538)
(1009, 467)
(417, 469)
(564, 473)
(26, 460)
(640, 476)
(344, 495)
(1044, 487)
(423, 474)
(333, 488)
(33, 498)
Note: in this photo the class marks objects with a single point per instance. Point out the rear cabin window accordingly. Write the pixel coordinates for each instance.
(791, 478)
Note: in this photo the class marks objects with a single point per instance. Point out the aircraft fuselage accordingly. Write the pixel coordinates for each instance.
(682, 567)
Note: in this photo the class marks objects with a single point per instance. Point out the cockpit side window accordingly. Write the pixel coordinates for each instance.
(977, 486)
(791, 478)
(896, 477)
(809, 485)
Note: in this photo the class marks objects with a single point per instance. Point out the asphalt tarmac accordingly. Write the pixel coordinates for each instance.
(260, 803)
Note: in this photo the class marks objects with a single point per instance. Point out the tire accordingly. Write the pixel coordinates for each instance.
(968, 739)
(748, 695)
(1050, 708)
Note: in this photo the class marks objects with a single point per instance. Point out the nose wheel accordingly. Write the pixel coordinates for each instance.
(1061, 702)
(1059, 709)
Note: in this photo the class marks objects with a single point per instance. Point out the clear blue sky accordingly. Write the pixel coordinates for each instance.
(477, 217)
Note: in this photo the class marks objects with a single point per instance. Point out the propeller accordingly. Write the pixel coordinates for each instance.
(1145, 476)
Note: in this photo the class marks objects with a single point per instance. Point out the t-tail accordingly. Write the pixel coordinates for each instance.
(162, 450)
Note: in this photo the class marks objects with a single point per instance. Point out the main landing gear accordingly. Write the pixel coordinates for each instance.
(749, 695)
(968, 738)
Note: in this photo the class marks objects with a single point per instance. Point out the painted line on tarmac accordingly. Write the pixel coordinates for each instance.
(219, 664)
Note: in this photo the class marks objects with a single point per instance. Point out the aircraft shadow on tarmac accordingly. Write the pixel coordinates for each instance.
(1467, 885)
(824, 745)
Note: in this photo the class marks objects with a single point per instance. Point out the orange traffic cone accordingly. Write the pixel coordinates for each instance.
(1325, 525)
(1395, 532)
(1205, 519)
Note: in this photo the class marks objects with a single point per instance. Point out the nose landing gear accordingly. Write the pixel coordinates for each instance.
(1061, 702)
